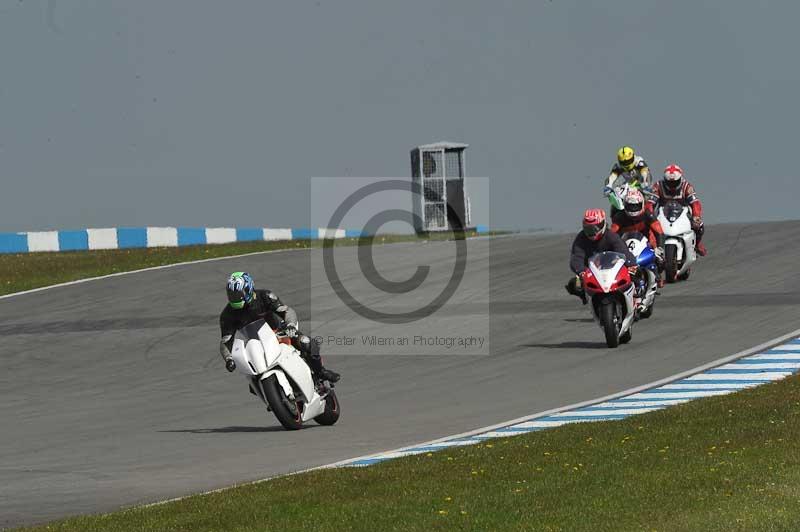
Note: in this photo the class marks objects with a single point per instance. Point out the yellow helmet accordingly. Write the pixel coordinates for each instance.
(626, 158)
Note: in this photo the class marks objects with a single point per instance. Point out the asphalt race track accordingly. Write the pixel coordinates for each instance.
(112, 392)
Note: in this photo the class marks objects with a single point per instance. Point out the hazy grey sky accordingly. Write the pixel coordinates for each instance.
(218, 113)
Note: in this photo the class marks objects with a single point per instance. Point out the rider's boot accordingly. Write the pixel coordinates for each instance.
(310, 349)
(326, 374)
(572, 289)
(699, 231)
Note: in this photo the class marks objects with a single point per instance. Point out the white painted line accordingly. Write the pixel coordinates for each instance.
(152, 268)
(508, 433)
(602, 413)
(540, 425)
(201, 261)
(765, 376)
(707, 386)
(787, 347)
(633, 404)
(678, 394)
(778, 356)
(445, 444)
(762, 366)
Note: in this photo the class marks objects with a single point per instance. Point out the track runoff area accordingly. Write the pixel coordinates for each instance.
(93, 445)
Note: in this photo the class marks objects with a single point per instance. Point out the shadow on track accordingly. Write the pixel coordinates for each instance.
(569, 345)
(234, 429)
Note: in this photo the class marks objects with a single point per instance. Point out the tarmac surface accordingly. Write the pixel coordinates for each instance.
(112, 392)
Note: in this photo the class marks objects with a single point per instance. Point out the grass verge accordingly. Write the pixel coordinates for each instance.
(716, 464)
(25, 271)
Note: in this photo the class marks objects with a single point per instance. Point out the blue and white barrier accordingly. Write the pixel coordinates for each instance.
(151, 237)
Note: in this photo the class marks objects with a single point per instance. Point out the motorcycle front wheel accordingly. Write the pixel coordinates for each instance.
(287, 411)
(671, 262)
(609, 323)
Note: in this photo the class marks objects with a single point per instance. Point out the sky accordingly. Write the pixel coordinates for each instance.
(199, 113)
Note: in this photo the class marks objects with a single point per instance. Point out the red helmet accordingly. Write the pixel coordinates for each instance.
(594, 223)
(673, 178)
(634, 203)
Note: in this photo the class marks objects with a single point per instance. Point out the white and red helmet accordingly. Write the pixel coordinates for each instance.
(673, 177)
(594, 223)
(634, 203)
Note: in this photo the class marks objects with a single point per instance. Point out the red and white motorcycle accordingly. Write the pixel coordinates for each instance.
(608, 284)
(279, 376)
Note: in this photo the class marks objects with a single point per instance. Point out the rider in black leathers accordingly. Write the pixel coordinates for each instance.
(593, 238)
(263, 304)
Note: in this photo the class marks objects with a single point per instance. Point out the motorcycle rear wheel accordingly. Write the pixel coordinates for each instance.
(610, 326)
(332, 410)
(287, 411)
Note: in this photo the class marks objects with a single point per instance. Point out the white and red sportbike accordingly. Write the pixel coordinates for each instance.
(679, 241)
(279, 376)
(608, 285)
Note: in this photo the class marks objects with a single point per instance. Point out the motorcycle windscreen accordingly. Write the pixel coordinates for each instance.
(605, 266)
(259, 346)
(606, 260)
(272, 348)
(242, 356)
(672, 210)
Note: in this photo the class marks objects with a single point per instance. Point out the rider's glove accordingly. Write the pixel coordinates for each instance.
(230, 365)
(290, 331)
(659, 251)
(633, 270)
(697, 222)
(607, 191)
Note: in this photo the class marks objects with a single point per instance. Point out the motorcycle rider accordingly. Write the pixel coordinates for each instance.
(637, 218)
(246, 305)
(630, 167)
(594, 238)
(675, 187)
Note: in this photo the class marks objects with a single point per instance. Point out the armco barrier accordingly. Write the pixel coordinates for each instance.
(151, 237)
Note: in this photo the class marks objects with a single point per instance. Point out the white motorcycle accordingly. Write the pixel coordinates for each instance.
(679, 242)
(639, 246)
(279, 376)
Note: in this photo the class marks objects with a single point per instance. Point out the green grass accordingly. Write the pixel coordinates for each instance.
(715, 464)
(25, 271)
